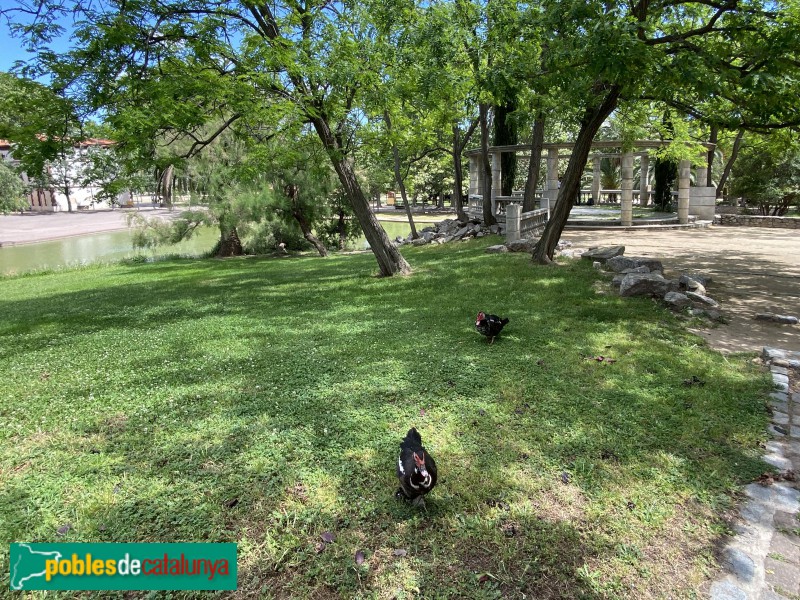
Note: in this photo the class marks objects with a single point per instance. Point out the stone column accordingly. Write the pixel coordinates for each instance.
(596, 176)
(700, 176)
(702, 198)
(644, 167)
(684, 169)
(474, 171)
(512, 222)
(551, 191)
(497, 171)
(626, 210)
(480, 175)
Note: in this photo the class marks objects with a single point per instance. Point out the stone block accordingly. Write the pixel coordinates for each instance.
(783, 575)
(643, 284)
(603, 253)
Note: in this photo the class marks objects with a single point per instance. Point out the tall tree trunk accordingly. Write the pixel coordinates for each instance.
(459, 143)
(230, 244)
(390, 261)
(729, 164)
(165, 185)
(505, 134)
(571, 183)
(486, 191)
(712, 139)
(292, 193)
(664, 173)
(398, 177)
(537, 143)
(458, 174)
(341, 228)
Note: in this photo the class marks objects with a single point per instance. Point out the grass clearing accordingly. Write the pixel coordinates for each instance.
(262, 401)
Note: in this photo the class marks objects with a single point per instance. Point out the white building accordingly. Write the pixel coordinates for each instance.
(52, 197)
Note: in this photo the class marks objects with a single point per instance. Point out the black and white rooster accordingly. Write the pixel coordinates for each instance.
(416, 469)
(489, 325)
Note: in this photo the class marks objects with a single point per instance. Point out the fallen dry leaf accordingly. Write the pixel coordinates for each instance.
(328, 537)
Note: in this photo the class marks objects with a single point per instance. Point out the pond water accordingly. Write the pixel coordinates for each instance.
(115, 245)
(96, 247)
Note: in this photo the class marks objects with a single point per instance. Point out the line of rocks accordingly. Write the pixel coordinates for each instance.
(449, 230)
(644, 276)
(762, 561)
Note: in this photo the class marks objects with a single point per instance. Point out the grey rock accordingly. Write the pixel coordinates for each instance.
(597, 265)
(641, 269)
(643, 284)
(740, 564)
(427, 229)
(616, 281)
(620, 263)
(462, 232)
(480, 234)
(419, 242)
(476, 228)
(703, 299)
(701, 278)
(494, 229)
(521, 246)
(603, 253)
(676, 300)
(725, 590)
(714, 315)
(427, 234)
(499, 249)
(782, 319)
(687, 283)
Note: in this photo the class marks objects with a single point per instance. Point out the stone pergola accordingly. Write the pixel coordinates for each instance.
(698, 201)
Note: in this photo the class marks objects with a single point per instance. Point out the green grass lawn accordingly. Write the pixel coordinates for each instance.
(262, 401)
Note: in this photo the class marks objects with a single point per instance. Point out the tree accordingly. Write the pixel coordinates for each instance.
(12, 190)
(303, 61)
(767, 173)
(45, 128)
(709, 58)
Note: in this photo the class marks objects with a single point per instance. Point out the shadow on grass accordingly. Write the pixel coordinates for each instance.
(263, 402)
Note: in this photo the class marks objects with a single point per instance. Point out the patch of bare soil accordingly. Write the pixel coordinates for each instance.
(754, 270)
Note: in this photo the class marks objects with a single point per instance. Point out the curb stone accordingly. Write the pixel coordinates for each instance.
(762, 561)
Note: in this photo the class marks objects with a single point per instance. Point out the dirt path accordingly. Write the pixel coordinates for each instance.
(754, 270)
(34, 227)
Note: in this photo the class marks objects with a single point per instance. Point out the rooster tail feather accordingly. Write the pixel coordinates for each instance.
(414, 435)
(503, 321)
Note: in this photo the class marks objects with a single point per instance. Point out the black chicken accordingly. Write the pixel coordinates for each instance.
(416, 469)
(489, 325)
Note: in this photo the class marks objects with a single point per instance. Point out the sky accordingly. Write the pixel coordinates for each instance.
(11, 49)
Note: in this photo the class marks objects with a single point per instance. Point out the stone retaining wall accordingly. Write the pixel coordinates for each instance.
(758, 221)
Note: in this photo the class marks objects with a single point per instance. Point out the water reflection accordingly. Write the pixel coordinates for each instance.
(97, 247)
(115, 245)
